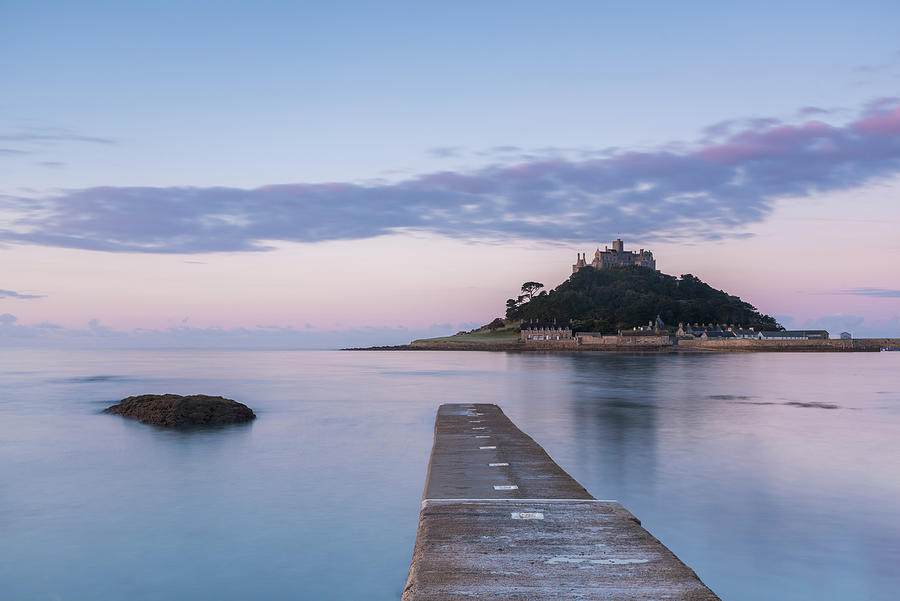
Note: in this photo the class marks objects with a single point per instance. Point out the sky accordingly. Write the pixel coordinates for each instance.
(277, 174)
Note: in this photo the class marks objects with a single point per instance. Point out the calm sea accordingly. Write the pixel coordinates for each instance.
(774, 476)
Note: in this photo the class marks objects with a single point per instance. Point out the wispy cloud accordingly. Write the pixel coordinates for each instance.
(873, 72)
(871, 292)
(52, 135)
(444, 152)
(504, 149)
(13, 294)
(709, 188)
(812, 111)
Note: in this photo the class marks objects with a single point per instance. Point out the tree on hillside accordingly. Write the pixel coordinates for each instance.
(529, 289)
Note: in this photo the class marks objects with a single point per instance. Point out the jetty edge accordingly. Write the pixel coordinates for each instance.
(501, 520)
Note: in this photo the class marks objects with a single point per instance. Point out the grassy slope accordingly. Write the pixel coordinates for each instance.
(508, 334)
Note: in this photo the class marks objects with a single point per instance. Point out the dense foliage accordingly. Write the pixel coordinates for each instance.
(608, 300)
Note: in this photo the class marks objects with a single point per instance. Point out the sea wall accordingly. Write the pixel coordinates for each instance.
(617, 340)
(880, 343)
(567, 345)
(750, 344)
(597, 343)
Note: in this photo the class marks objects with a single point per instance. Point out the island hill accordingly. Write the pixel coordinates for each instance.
(619, 301)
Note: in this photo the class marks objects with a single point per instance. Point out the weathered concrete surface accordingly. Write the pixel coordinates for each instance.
(460, 468)
(546, 539)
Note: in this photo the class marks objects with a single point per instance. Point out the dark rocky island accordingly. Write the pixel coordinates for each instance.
(176, 411)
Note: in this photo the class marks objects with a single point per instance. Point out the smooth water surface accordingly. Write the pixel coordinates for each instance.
(774, 476)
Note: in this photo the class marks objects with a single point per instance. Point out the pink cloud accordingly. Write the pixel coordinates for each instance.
(775, 141)
(884, 123)
(702, 188)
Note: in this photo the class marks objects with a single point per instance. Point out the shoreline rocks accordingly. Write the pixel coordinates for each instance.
(176, 411)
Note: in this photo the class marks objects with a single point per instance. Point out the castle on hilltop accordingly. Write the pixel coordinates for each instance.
(616, 256)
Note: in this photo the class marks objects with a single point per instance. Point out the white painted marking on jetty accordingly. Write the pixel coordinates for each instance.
(487, 448)
(611, 561)
(475, 421)
(505, 487)
(497, 464)
(483, 436)
(521, 515)
(479, 428)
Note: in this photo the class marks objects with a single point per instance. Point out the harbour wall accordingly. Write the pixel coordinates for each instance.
(751, 344)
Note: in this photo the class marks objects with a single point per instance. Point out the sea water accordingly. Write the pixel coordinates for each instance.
(773, 476)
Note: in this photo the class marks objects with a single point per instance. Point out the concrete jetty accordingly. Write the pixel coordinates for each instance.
(501, 520)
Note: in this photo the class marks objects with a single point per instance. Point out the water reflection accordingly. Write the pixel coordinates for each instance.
(615, 418)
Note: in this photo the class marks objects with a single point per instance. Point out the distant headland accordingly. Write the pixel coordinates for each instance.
(604, 305)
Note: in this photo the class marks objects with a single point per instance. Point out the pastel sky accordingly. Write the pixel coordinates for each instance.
(296, 174)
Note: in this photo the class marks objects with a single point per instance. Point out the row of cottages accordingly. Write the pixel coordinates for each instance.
(710, 331)
(545, 331)
(725, 331)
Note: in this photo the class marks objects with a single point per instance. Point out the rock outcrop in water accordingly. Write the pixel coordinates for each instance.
(176, 411)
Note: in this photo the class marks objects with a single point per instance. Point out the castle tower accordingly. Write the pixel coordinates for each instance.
(616, 256)
(579, 263)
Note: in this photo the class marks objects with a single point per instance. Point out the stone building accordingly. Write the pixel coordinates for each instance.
(545, 331)
(794, 335)
(642, 338)
(655, 325)
(725, 332)
(707, 331)
(616, 256)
